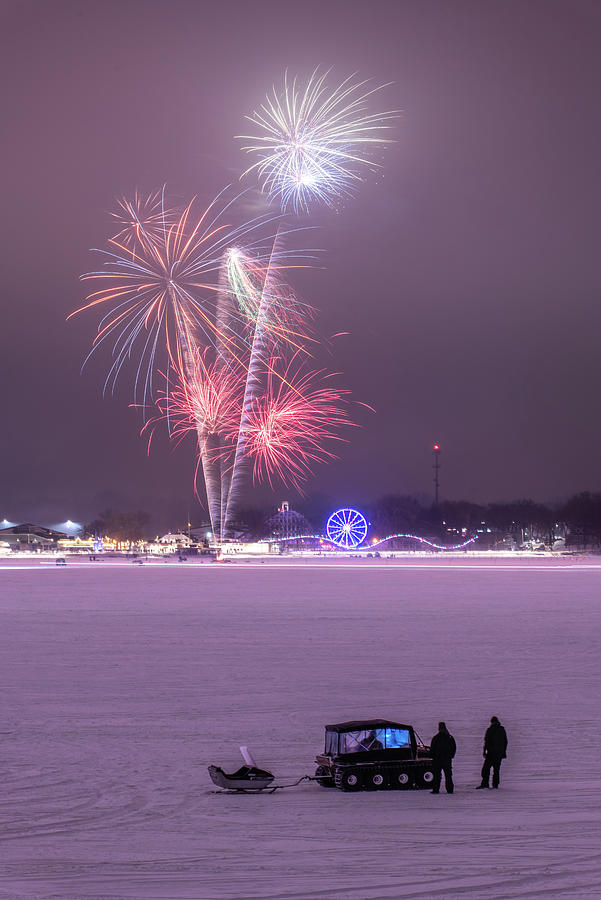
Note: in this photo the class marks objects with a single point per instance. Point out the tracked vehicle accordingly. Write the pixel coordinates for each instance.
(374, 754)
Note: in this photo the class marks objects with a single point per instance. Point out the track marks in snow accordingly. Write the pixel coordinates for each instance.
(121, 688)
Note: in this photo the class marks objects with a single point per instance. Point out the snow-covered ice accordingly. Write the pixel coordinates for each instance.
(120, 684)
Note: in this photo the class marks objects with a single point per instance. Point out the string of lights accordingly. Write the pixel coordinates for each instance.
(413, 537)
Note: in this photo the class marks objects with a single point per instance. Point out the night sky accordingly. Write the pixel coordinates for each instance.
(468, 276)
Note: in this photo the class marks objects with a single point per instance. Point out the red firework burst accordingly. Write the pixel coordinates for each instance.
(288, 425)
(206, 401)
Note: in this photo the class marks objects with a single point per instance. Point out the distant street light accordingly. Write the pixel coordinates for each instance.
(70, 527)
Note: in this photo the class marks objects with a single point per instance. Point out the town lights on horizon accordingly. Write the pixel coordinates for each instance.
(344, 543)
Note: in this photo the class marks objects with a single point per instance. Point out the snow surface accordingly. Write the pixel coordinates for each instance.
(121, 683)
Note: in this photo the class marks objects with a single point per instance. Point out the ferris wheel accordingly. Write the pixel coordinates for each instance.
(347, 528)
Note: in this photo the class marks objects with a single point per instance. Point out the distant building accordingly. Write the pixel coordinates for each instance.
(244, 548)
(576, 538)
(287, 524)
(176, 540)
(32, 537)
(86, 545)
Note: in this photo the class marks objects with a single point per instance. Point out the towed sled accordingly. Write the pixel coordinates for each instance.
(246, 778)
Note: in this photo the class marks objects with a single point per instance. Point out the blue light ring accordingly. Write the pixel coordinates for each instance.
(346, 528)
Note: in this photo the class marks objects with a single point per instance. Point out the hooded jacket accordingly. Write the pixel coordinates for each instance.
(495, 741)
(443, 746)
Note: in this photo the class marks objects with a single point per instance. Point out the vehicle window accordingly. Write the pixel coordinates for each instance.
(331, 743)
(362, 741)
(397, 737)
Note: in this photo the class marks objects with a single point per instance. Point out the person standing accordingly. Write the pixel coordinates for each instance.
(494, 752)
(443, 749)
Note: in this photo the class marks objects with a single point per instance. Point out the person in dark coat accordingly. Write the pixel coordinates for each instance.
(494, 752)
(443, 749)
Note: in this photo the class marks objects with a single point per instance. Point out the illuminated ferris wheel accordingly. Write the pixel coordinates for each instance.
(347, 528)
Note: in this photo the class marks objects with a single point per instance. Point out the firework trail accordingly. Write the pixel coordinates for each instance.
(260, 293)
(276, 320)
(228, 318)
(314, 144)
(260, 306)
(206, 401)
(253, 293)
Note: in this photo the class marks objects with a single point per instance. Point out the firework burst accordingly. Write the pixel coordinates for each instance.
(289, 423)
(140, 218)
(158, 283)
(207, 401)
(314, 144)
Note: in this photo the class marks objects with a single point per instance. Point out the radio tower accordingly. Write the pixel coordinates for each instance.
(436, 451)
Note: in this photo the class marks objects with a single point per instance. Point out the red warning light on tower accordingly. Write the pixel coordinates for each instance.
(436, 447)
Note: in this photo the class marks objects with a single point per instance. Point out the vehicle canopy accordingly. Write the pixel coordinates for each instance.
(370, 736)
